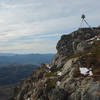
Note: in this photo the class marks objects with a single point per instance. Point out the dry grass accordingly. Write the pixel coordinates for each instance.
(53, 73)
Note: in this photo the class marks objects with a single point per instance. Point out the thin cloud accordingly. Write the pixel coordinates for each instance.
(36, 25)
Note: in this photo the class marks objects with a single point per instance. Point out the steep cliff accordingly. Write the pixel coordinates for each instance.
(74, 73)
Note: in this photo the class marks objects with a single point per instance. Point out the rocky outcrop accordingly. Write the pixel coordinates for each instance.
(73, 43)
(74, 73)
(69, 44)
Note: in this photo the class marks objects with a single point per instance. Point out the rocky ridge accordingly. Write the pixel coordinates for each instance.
(74, 73)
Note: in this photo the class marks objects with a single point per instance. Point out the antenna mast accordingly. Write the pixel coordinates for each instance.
(83, 20)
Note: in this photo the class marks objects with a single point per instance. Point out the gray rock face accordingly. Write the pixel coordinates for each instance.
(58, 94)
(73, 43)
(58, 61)
(80, 88)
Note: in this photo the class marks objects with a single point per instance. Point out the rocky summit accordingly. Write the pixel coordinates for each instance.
(74, 73)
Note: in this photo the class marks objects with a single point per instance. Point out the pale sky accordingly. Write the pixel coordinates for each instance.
(35, 26)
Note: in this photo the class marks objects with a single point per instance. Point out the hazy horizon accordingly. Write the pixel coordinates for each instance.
(27, 53)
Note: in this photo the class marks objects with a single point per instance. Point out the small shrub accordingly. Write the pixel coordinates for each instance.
(50, 74)
(91, 60)
(77, 74)
(96, 71)
(50, 84)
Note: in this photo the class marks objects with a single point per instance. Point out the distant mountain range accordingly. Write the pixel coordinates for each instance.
(15, 67)
(36, 59)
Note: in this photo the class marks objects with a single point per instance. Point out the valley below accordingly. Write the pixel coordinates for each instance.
(6, 92)
(14, 68)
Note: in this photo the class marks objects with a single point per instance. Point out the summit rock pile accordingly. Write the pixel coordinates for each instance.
(63, 79)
